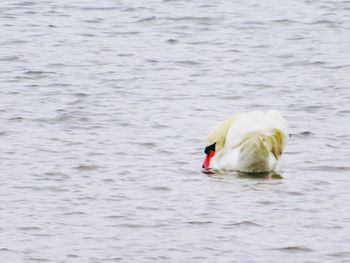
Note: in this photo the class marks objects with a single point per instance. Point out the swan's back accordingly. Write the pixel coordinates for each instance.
(255, 121)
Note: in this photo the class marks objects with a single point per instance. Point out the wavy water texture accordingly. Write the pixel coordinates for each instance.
(104, 111)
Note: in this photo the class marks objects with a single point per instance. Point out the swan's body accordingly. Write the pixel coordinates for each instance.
(249, 142)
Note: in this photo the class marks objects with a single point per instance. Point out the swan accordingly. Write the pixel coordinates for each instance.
(251, 142)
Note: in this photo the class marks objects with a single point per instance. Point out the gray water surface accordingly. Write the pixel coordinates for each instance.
(104, 111)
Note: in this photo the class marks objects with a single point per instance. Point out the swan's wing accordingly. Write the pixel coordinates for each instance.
(256, 121)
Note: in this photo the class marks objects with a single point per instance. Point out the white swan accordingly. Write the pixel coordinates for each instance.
(250, 142)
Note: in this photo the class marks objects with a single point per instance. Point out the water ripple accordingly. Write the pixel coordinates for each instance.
(105, 107)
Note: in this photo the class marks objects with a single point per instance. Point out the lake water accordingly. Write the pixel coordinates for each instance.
(104, 111)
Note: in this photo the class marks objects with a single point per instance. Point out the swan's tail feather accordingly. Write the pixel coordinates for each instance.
(255, 149)
(275, 142)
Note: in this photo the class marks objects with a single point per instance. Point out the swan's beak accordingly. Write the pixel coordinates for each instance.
(206, 162)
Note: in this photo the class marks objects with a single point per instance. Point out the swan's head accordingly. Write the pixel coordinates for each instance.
(215, 143)
(209, 153)
(216, 140)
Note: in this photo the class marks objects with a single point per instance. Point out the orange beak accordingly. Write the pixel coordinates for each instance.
(206, 162)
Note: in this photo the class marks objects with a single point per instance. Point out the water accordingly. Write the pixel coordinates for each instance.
(105, 107)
